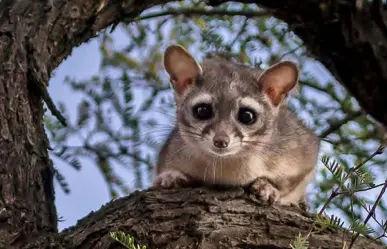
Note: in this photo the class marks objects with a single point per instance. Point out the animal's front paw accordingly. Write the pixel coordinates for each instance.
(265, 191)
(169, 179)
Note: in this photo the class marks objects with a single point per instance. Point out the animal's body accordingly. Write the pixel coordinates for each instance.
(234, 129)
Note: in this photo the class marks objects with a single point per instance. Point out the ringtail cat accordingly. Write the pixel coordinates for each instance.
(234, 129)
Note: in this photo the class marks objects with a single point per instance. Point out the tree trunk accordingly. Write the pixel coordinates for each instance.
(26, 185)
(35, 36)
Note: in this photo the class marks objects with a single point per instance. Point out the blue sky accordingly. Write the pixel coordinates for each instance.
(88, 189)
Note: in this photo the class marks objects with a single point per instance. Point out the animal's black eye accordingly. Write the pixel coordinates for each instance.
(247, 116)
(202, 111)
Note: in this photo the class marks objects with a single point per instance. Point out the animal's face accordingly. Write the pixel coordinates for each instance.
(224, 112)
(224, 108)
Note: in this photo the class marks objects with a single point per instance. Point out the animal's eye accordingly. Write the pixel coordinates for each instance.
(247, 116)
(202, 111)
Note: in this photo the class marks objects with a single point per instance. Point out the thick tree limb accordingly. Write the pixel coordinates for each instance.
(200, 218)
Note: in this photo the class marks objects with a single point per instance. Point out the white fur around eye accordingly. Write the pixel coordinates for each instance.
(201, 98)
(252, 103)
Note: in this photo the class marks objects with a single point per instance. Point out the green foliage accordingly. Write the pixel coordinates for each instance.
(127, 110)
(329, 222)
(125, 240)
(359, 181)
(300, 242)
(359, 227)
(334, 167)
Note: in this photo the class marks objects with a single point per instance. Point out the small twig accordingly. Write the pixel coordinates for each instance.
(352, 170)
(381, 236)
(371, 213)
(241, 31)
(321, 89)
(39, 81)
(291, 51)
(201, 11)
(337, 124)
(361, 204)
(384, 231)
(110, 154)
(334, 193)
(378, 151)
(362, 190)
(365, 208)
(51, 105)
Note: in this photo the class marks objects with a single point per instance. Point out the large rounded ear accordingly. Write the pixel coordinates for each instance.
(278, 80)
(181, 67)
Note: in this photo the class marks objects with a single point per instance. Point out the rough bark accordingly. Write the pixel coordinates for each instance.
(35, 36)
(200, 218)
(26, 184)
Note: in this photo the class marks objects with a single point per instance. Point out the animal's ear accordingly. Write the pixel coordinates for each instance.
(181, 67)
(277, 81)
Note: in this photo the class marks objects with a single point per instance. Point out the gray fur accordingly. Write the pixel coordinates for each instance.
(286, 148)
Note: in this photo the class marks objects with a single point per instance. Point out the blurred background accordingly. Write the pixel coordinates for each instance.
(119, 105)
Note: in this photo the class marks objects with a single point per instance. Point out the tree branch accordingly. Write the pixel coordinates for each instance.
(201, 217)
(334, 126)
(204, 12)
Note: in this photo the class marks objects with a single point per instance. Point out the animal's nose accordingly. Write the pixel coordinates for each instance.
(221, 140)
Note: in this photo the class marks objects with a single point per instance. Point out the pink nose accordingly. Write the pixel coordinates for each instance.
(221, 140)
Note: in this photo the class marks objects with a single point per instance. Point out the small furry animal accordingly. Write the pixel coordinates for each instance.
(233, 129)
